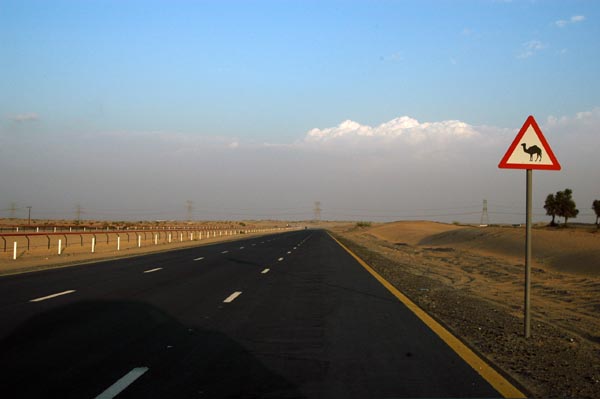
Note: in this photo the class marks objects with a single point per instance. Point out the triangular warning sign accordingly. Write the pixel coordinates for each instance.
(529, 150)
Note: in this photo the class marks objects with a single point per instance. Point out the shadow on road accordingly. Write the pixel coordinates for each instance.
(81, 349)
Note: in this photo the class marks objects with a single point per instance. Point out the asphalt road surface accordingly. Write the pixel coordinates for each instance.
(281, 316)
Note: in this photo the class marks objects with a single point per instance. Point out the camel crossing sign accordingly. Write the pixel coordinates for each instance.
(530, 150)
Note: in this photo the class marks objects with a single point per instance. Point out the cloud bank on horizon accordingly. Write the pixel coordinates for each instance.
(402, 168)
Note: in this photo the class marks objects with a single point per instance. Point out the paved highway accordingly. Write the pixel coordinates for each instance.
(281, 316)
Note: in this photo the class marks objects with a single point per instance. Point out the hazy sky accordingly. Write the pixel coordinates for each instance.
(381, 110)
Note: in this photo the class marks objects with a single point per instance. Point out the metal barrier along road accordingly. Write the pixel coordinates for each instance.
(119, 238)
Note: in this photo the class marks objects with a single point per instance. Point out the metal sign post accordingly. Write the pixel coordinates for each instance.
(529, 201)
(529, 151)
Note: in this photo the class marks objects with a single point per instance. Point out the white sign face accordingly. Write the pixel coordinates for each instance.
(530, 150)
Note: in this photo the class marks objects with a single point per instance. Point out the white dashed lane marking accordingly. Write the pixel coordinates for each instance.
(280, 259)
(265, 271)
(52, 296)
(153, 270)
(224, 252)
(122, 383)
(199, 258)
(232, 297)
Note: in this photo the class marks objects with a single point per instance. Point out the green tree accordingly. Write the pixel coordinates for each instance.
(596, 208)
(566, 207)
(551, 208)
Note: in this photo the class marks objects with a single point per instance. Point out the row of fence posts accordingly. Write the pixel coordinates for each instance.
(85, 229)
(139, 243)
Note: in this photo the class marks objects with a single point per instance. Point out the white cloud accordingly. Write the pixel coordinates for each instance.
(395, 57)
(405, 128)
(403, 137)
(530, 48)
(561, 23)
(582, 123)
(25, 117)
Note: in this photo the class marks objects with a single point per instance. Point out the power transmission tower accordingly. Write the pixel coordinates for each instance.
(13, 209)
(485, 219)
(78, 212)
(317, 211)
(190, 209)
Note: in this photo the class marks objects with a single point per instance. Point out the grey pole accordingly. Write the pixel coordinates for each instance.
(528, 255)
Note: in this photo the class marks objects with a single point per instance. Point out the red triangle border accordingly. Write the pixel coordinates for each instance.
(529, 122)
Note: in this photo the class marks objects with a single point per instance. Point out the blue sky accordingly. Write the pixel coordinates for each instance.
(248, 73)
(271, 69)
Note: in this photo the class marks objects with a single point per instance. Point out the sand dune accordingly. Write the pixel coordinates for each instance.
(565, 250)
(410, 232)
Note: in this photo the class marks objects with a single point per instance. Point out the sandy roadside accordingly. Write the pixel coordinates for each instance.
(472, 281)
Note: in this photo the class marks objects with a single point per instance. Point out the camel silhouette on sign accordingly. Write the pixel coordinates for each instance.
(534, 149)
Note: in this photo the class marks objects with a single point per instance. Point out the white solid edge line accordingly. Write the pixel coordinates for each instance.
(199, 258)
(232, 297)
(265, 271)
(122, 383)
(52, 296)
(153, 270)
